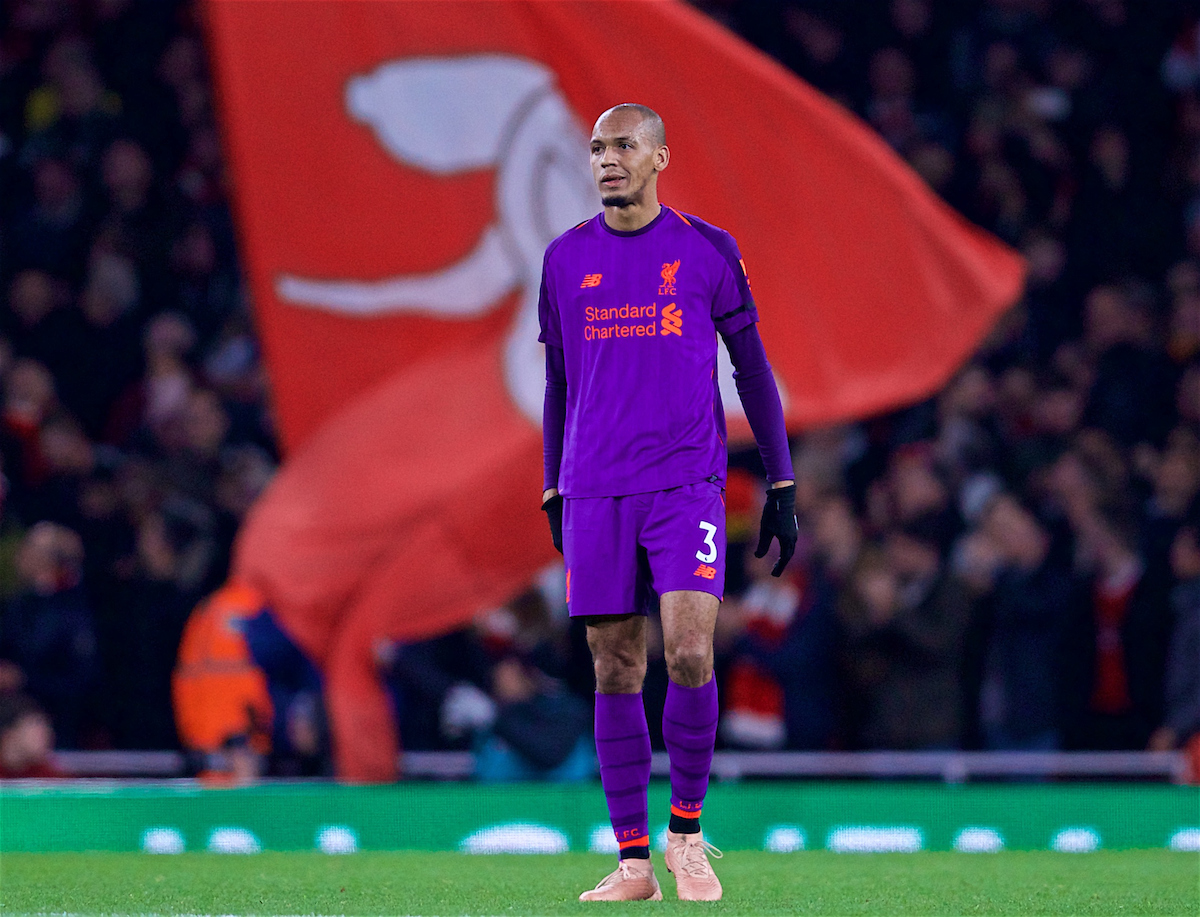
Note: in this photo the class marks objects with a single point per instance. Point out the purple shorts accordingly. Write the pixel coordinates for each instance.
(624, 552)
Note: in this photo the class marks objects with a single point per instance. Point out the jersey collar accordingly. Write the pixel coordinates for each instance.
(662, 212)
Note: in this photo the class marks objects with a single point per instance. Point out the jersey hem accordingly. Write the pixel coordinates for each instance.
(720, 479)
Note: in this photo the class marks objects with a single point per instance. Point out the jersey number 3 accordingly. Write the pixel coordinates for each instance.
(707, 557)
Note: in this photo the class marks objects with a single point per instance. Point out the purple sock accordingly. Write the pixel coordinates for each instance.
(689, 731)
(623, 747)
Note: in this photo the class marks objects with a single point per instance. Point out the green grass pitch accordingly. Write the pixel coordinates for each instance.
(453, 885)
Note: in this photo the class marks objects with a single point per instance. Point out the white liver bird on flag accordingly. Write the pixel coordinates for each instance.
(448, 115)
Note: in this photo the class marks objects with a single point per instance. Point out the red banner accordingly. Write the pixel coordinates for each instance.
(401, 166)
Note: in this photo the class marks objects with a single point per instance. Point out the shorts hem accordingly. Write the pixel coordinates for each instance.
(710, 588)
(642, 613)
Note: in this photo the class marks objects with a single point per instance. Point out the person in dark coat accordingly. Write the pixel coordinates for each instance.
(904, 619)
(1030, 599)
(1180, 727)
(47, 632)
(154, 605)
(1116, 642)
(780, 684)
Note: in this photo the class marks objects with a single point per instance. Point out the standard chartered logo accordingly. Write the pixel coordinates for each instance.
(631, 322)
(672, 320)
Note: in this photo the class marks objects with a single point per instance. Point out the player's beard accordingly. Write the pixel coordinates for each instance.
(621, 201)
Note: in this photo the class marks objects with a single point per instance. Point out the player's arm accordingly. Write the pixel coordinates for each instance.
(760, 399)
(554, 407)
(554, 423)
(735, 316)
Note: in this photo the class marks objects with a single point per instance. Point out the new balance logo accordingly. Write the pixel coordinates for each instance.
(706, 571)
(668, 279)
(672, 320)
(590, 280)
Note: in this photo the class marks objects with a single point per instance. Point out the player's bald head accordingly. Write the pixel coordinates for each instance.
(648, 120)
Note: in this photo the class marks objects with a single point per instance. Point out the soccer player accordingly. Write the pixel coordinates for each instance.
(631, 305)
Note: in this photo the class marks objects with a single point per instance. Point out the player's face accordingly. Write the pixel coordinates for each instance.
(625, 158)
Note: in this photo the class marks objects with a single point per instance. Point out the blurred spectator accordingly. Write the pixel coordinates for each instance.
(71, 113)
(26, 739)
(223, 708)
(541, 731)
(171, 570)
(493, 688)
(1031, 591)
(752, 697)
(904, 617)
(138, 216)
(1128, 376)
(1117, 640)
(1174, 481)
(51, 233)
(12, 533)
(206, 292)
(1116, 229)
(68, 458)
(111, 360)
(815, 44)
(47, 631)
(37, 322)
(440, 689)
(1181, 723)
(780, 683)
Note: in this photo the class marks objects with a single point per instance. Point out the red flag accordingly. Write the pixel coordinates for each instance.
(401, 166)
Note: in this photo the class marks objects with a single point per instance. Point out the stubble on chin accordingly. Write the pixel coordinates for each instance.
(620, 201)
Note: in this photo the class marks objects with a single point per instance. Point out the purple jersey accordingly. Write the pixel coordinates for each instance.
(636, 315)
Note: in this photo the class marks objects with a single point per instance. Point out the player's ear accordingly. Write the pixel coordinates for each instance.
(662, 156)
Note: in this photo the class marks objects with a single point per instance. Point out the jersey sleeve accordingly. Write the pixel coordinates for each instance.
(554, 416)
(733, 304)
(548, 317)
(760, 399)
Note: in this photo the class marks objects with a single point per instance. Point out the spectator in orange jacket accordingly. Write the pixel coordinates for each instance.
(222, 706)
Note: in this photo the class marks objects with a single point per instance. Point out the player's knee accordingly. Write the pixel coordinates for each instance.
(689, 663)
(619, 671)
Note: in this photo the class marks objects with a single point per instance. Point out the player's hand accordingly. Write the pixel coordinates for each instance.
(779, 521)
(553, 508)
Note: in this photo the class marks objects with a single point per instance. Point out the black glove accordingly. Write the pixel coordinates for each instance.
(553, 509)
(779, 521)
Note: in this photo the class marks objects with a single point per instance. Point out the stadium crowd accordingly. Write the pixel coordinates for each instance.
(1011, 564)
(134, 429)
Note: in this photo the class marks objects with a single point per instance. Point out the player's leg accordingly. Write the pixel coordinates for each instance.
(690, 713)
(600, 548)
(686, 547)
(618, 645)
(687, 556)
(689, 732)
